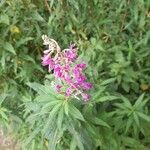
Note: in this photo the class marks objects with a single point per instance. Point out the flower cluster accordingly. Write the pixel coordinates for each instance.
(71, 80)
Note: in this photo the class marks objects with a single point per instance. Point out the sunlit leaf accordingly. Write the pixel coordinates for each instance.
(9, 48)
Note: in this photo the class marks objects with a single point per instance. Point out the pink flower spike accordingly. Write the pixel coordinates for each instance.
(76, 71)
(58, 71)
(87, 86)
(58, 88)
(70, 55)
(66, 69)
(69, 92)
(45, 60)
(81, 79)
(85, 96)
(81, 65)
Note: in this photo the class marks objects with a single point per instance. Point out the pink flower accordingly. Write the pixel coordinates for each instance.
(87, 86)
(58, 88)
(69, 92)
(58, 71)
(81, 65)
(85, 96)
(46, 60)
(70, 55)
(81, 79)
(65, 69)
(76, 71)
(67, 78)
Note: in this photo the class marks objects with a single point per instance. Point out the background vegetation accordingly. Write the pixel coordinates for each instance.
(114, 39)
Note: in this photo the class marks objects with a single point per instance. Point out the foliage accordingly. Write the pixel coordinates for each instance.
(114, 39)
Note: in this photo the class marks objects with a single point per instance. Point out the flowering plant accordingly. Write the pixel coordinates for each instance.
(67, 70)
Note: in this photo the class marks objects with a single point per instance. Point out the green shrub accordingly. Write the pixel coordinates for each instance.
(113, 38)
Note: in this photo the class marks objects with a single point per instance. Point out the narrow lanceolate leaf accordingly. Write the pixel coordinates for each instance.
(78, 140)
(32, 135)
(105, 82)
(60, 118)
(136, 118)
(120, 105)
(50, 104)
(76, 137)
(100, 122)
(9, 47)
(66, 108)
(41, 89)
(37, 87)
(99, 93)
(4, 19)
(3, 60)
(73, 144)
(139, 101)
(143, 116)
(3, 115)
(75, 113)
(52, 116)
(127, 102)
(23, 41)
(105, 98)
(2, 97)
(129, 123)
(53, 140)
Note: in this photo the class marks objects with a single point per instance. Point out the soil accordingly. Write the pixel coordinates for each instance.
(7, 142)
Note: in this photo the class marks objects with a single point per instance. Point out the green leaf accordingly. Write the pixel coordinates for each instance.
(125, 86)
(108, 81)
(4, 19)
(143, 116)
(51, 4)
(129, 123)
(9, 47)
(73, 144)
(132, 143)
(3, 60)
(32, 135)
(66, 108)
(98, 94)
(75, 113)
(136, 119)
(120, 105)
(50, 104)
(46, 98)
(142, 20)
(60, 118)
(37, 16)
(53, 140)
(23, 41)
(2, 97)
(78, 141)
(105, 98)
(139, 101)
(77, 137)
(3, 115)
(100, 122)
(127, 102)
(52, 116)
(37, 87)
(28, 58)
